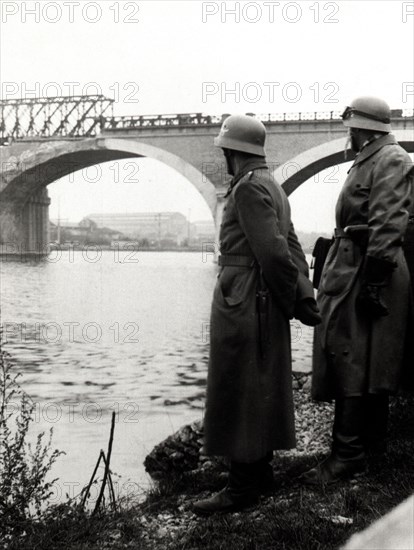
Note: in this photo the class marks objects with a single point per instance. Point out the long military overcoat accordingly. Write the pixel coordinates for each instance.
(249, 408)
(353, 353)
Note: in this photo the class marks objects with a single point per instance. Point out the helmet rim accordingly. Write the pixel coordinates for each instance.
(236, 145)
(363, 123)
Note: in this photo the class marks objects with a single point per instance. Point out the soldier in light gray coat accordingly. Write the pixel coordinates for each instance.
(364, 296)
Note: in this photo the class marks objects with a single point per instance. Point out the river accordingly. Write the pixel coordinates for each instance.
(107, 331)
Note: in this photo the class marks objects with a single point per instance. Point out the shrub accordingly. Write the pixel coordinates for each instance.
(24, 491)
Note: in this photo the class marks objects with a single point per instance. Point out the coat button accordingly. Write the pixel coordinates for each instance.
(331, 354)
(345, 352)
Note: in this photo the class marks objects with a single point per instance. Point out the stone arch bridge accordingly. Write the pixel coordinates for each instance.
(45, 139)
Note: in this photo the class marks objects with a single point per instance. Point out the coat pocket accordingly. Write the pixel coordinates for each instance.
(341, 268)
(236, 284)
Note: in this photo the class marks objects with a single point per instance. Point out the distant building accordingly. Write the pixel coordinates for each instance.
(203, 231)
(86, 231)
(154, 226)
(65, 229)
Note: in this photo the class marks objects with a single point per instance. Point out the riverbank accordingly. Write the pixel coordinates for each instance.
(293, 517)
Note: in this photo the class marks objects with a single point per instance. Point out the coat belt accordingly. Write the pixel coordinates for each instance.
(341, 234)
(236, 260)
(351, 230)
(356, 233)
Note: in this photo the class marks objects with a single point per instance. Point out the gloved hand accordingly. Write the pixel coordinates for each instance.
(307, 312)
(375, 276)
(370, 301)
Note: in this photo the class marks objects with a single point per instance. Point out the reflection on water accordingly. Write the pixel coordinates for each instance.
(91, 338)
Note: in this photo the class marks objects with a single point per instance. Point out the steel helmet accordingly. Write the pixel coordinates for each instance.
(368, 113)
(242, 133)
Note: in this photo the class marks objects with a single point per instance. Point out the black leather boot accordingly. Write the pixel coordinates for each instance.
(347, 456)
(374, 435)
(266, 482)
(242, 490)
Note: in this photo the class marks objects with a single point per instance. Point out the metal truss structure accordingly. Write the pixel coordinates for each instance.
(52, 117)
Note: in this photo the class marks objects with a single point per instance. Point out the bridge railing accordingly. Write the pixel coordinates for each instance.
(199, 119)
(153, 121)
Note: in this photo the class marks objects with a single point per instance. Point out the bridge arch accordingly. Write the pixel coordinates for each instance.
(46, 162)
(316, 159)
(31, 166)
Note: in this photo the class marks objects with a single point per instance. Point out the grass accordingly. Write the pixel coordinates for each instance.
(292, 518)
(69, 527)
(296, 517)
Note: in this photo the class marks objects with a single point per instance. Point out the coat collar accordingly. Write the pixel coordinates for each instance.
(374, 146)
(249, 166)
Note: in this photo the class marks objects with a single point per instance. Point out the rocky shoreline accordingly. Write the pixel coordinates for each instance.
(181, 453)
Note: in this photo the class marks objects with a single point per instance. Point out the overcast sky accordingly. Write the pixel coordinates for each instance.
(187, 56)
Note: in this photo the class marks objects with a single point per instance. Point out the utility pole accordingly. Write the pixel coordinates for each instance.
(58, 222)
(189, 226)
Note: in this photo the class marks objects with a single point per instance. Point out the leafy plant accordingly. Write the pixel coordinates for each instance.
(24, 491)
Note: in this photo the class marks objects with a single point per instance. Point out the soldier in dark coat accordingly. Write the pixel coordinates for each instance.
(364, 296)
(263, 282)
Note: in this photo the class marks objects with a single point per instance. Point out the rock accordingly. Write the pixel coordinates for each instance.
(176, 455)
(181, 454)
(308, 384)
(341, 520)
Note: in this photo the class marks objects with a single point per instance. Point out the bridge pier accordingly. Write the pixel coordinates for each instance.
(24, 230)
